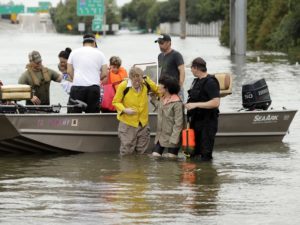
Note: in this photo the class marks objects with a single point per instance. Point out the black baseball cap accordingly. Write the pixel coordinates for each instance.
(163, 38)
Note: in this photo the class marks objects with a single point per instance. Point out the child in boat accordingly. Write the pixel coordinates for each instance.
(169, 119)
(116, 74)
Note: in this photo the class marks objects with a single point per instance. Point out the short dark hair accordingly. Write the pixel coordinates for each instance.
(89, 38)
(170, 83)
(115, 61)
(65, 53)
(199, 64)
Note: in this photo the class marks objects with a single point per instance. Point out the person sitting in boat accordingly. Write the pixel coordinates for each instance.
(202, 105)
(116, 74)
(169, 118)
(39, 78)
(66, 82)
(131, 102)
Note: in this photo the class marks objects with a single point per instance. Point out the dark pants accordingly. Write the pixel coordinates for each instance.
(90, 95)
(159, 149)
(205, 133)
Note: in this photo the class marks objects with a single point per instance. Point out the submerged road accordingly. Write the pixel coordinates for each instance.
(28, 23)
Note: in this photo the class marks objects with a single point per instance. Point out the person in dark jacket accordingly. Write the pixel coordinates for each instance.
(202, 105)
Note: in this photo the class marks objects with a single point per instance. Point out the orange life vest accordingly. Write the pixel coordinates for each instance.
(116, 78)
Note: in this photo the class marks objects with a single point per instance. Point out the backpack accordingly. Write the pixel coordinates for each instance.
(145, 83)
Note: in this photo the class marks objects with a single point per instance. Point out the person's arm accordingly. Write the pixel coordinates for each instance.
(211, 104)
(119, 98)
(59, 77)
(181, 75)
(55, 76)
(178, 125)
(152, 84)
(103, 74)
(70, 70)
(23, 80)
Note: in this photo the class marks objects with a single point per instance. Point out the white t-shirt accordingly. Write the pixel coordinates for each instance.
(87, 62)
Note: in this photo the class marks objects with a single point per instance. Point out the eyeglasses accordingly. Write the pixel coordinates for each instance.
(136, 76)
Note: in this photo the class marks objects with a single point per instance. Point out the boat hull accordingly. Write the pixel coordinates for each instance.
(98, 132)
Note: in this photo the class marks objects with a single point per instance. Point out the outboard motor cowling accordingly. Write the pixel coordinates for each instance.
(256, 95)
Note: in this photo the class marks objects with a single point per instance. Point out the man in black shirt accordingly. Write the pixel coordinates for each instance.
(170, 62)
(202, 106)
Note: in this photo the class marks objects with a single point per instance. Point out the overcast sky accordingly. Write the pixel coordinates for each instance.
(54, 2)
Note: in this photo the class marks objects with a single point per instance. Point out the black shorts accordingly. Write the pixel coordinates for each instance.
(88, 94)
(159, 149)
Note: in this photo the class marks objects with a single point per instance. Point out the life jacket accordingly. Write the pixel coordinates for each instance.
(117, 78)
(197, 94)
(33, 76)
(40, 87)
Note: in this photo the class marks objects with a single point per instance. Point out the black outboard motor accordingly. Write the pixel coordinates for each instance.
(256, 95)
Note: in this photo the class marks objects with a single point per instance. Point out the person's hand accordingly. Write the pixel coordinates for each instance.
(129, 111)
(190, 105)
(35, 100)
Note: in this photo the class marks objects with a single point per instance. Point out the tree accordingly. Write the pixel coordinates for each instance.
(65, 15)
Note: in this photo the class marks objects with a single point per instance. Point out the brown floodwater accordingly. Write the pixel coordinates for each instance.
(244, 184)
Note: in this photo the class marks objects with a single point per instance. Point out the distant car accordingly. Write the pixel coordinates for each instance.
(44, 17)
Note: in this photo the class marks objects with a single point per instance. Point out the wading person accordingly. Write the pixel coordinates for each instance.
(86, 66)
(131, 103)
(169, 118)
(202, 105)
(39, 78)
(170, 61)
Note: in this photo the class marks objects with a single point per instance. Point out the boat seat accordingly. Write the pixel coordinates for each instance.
(225, 82)
(15, 92)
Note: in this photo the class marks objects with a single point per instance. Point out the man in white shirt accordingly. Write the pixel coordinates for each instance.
(87, 66)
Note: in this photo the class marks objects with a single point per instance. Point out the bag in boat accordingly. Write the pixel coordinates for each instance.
(108, 95)
(188, 141)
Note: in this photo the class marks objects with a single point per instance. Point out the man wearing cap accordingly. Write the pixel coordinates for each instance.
(87, 65)
(39, 78)
(170, 61)
(202, 105)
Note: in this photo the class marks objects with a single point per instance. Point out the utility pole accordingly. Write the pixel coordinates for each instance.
(182, 18)
(238, 27)
(104, 18)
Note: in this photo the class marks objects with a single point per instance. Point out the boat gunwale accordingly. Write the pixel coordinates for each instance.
(150, 114)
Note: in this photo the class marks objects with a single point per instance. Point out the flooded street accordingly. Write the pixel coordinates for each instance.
(245, 184)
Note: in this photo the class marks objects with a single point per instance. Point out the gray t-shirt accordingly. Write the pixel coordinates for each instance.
(168, 64)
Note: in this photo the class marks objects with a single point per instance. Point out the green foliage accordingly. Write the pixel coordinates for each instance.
(256, 13)
(137, 12)
(205, 10)
(150, 13)
(276, 11)
(271, 25)
(225, 31)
